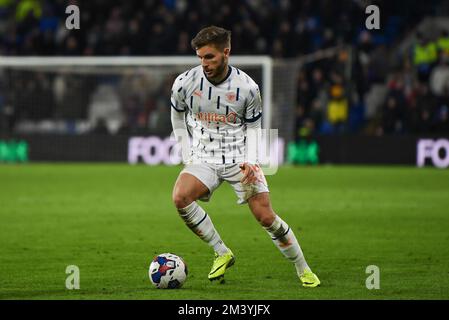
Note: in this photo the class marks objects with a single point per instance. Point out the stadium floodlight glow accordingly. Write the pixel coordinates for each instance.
(265, 62)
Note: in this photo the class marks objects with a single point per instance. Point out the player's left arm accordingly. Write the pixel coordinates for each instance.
(253, 120)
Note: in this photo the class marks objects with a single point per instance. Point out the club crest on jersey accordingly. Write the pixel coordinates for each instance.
(198, 93)
(230, 96)
(215, 117)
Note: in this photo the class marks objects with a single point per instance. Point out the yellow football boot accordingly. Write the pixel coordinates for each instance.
(221, 263)
(309, 279)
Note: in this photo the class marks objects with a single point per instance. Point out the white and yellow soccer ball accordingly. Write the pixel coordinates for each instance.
(168, 271)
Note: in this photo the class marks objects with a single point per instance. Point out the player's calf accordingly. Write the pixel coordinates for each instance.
(283, 237)
(261, 208)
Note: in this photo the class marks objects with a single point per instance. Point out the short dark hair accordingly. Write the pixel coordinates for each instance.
(216, 36)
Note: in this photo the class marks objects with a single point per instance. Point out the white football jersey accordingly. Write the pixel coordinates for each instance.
(216, 114)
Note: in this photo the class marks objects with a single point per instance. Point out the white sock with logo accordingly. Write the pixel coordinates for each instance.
(285, 240)
(200, 223)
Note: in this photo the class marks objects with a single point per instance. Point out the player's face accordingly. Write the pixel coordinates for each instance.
(213, 61)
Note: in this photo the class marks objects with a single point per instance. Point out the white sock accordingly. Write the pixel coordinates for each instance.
(200, 223)
(284, 238)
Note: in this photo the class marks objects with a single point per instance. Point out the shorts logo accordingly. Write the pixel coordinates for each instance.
(230, 96)
(215, 117)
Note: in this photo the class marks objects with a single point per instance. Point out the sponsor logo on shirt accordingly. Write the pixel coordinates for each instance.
(215, 117)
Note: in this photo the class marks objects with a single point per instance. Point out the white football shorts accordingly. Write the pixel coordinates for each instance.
(212, 175)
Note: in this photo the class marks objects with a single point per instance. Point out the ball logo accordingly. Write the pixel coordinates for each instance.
(164, 266)
(436, 150)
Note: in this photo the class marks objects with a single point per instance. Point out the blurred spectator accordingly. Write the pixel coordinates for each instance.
(299, 119)
(101, 127)
(160, 119)
(439, 78)
(413, 118)
(392, 116)
(338, 105)
(28, 8)
(426, 104)
(363, 52)
(137, 91)
(443, 43)
(105, 109)
(43, 103)
(72, 93)
(442, 121)
(316, 115)
(304, 92)
(425, 55)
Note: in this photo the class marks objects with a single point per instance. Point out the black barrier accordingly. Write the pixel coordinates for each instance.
(404, 149)
(74, 148)
(407, 150)
(367, 150)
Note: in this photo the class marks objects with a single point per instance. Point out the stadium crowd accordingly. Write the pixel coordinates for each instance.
(416, 101)
(329, 100)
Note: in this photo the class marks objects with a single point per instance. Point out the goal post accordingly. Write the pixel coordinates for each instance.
(64, 64)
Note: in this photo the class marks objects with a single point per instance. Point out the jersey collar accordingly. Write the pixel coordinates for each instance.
(224, 79)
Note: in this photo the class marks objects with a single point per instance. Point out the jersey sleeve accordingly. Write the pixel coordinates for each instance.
(177, 96)
(253, 110)
(253, 115)
(178, 108)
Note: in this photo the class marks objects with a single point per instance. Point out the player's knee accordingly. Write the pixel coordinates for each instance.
(267, 220)
(264, 215)
(181, 200)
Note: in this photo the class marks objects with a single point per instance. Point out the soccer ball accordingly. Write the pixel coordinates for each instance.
(168, 271)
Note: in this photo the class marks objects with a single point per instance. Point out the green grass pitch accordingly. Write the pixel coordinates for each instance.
(110, 220)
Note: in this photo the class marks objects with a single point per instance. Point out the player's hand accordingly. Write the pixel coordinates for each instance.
(250, 173)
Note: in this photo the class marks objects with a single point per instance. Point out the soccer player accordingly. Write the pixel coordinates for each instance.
(217, 105)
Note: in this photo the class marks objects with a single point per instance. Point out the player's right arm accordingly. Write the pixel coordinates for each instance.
(178, 120)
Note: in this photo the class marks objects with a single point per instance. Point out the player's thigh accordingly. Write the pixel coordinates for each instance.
(188, 188)
(260, 206)
(233, 176)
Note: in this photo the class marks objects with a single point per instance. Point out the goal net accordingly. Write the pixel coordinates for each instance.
(81, 96)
